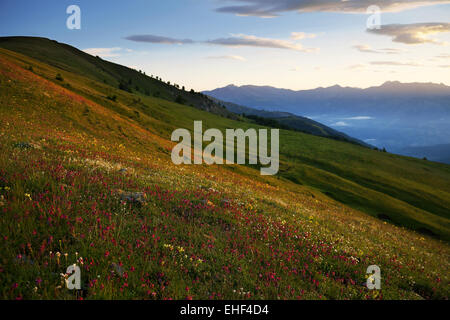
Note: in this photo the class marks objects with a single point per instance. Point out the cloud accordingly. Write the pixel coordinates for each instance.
(271, 8)
(238, 40)
(104, 52)
(367, 49)
(302, 35)
(228, 57)
(149, 38)
(416, 33)
(357, 66)
(359, 118)
(340, 124)
(396, 63)
(242, 40)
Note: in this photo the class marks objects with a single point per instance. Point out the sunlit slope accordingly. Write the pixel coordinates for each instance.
(401, 190)
(68, 155)
(70, 59)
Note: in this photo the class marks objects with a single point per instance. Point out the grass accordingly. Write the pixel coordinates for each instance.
(203, 232)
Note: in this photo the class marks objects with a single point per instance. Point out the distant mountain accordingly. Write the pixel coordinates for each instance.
(392, 97)
(394, 115)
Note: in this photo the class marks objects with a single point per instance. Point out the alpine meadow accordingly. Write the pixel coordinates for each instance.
(86, 178)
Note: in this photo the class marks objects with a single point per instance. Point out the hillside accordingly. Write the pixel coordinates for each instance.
(294, 122)
(70, 59)
(87, 179)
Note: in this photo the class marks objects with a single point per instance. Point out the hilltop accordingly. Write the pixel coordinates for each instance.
(86, 178)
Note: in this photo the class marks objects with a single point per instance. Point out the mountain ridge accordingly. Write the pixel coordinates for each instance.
(386, 84)
(393, 115)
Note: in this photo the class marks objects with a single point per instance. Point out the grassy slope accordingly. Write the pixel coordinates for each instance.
(273, 238)
(70, 59)
(401, 190)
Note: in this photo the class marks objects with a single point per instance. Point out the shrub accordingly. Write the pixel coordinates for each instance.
(112, 97)
(180, 100)
(124, 86)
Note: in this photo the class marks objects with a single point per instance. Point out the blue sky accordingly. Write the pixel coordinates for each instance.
(320, 46)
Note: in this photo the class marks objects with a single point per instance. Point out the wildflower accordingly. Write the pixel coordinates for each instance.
(27, 195)
(169, 246)
(180, 249)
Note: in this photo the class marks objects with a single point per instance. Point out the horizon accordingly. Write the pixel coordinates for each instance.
(266, 85)
(331, 86)
(207, 44)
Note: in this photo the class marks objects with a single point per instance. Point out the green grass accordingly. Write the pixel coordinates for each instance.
(291, 236)
(404, 191)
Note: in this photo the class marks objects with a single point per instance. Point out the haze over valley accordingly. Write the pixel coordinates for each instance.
(397, 116)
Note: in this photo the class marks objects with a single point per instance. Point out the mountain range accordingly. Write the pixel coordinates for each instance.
(392, 97)
(394, 115)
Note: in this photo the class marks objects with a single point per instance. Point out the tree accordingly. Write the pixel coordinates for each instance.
(180, 100)
(124, 86)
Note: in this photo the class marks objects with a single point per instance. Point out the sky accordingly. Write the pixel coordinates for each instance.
(293, 44)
